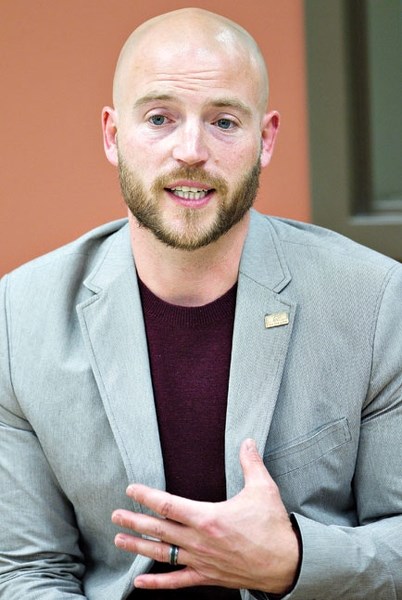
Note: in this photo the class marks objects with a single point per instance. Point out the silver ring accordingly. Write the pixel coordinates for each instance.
(173, 555)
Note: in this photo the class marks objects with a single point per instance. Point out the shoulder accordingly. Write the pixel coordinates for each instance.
(66, 267)
(308, 241)
(319, 259)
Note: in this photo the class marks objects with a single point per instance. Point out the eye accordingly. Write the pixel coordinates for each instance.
(158, 120)
(225, 123)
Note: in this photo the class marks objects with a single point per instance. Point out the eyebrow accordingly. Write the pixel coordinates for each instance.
(228, 102)
(152, 98)
(223, 102)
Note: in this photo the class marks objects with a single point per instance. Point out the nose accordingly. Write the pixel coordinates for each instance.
(190, 145)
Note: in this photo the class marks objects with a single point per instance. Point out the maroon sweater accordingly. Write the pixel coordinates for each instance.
(189, 353)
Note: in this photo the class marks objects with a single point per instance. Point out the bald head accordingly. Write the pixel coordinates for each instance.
(198, 32)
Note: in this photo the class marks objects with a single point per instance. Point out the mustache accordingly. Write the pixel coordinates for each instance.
(197, 174)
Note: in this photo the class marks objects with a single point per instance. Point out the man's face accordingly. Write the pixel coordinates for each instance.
(189, 140)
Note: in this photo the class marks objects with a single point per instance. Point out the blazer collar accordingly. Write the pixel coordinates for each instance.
(263, 259)
(114, 260)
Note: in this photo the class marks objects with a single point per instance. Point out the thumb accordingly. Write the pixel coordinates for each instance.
(254, 470)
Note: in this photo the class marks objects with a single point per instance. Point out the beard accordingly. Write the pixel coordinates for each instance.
(189, 231)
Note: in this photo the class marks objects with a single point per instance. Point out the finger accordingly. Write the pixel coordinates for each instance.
(159, 529)
(167, 505)
(158, 551)
(254, 470)
(187, 577)
(137, 545)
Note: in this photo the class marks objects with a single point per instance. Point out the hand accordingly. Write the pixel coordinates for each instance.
(244, 542)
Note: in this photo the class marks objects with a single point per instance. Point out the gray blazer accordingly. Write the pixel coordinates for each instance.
(321, 394)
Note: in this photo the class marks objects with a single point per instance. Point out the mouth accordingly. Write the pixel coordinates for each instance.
(186, 192)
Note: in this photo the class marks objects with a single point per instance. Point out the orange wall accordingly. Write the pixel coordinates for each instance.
(57, 60)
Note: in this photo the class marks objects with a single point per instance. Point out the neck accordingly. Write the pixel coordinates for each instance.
(188, 278)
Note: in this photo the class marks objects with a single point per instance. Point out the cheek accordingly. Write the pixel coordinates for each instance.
(240, 158)
(139, 157)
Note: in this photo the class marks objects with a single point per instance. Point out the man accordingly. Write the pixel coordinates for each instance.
(172, 352)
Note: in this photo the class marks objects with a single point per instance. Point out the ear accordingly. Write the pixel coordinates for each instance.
(270, 126)
(109, 128)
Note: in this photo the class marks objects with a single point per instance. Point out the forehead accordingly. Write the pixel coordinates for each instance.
(186, 63)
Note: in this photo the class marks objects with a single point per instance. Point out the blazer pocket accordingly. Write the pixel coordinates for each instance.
(308, 449)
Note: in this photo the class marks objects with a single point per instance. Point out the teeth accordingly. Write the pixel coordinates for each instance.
(189, 193)
(186, 188)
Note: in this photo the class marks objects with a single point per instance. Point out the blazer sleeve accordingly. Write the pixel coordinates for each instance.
(365, 562)
(39, 551)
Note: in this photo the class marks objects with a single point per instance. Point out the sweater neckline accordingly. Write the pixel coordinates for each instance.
(187, 316)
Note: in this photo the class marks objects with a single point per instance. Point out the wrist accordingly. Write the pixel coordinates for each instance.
(296, 572)
(295, 568)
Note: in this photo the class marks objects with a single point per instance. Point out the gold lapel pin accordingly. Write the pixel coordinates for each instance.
(276, 319)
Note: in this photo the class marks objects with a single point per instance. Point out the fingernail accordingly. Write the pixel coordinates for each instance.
(117, 519)
(120, 541)
(251, 445)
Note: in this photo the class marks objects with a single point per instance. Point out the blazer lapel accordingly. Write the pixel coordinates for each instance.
(259, 345)
(114, 334)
